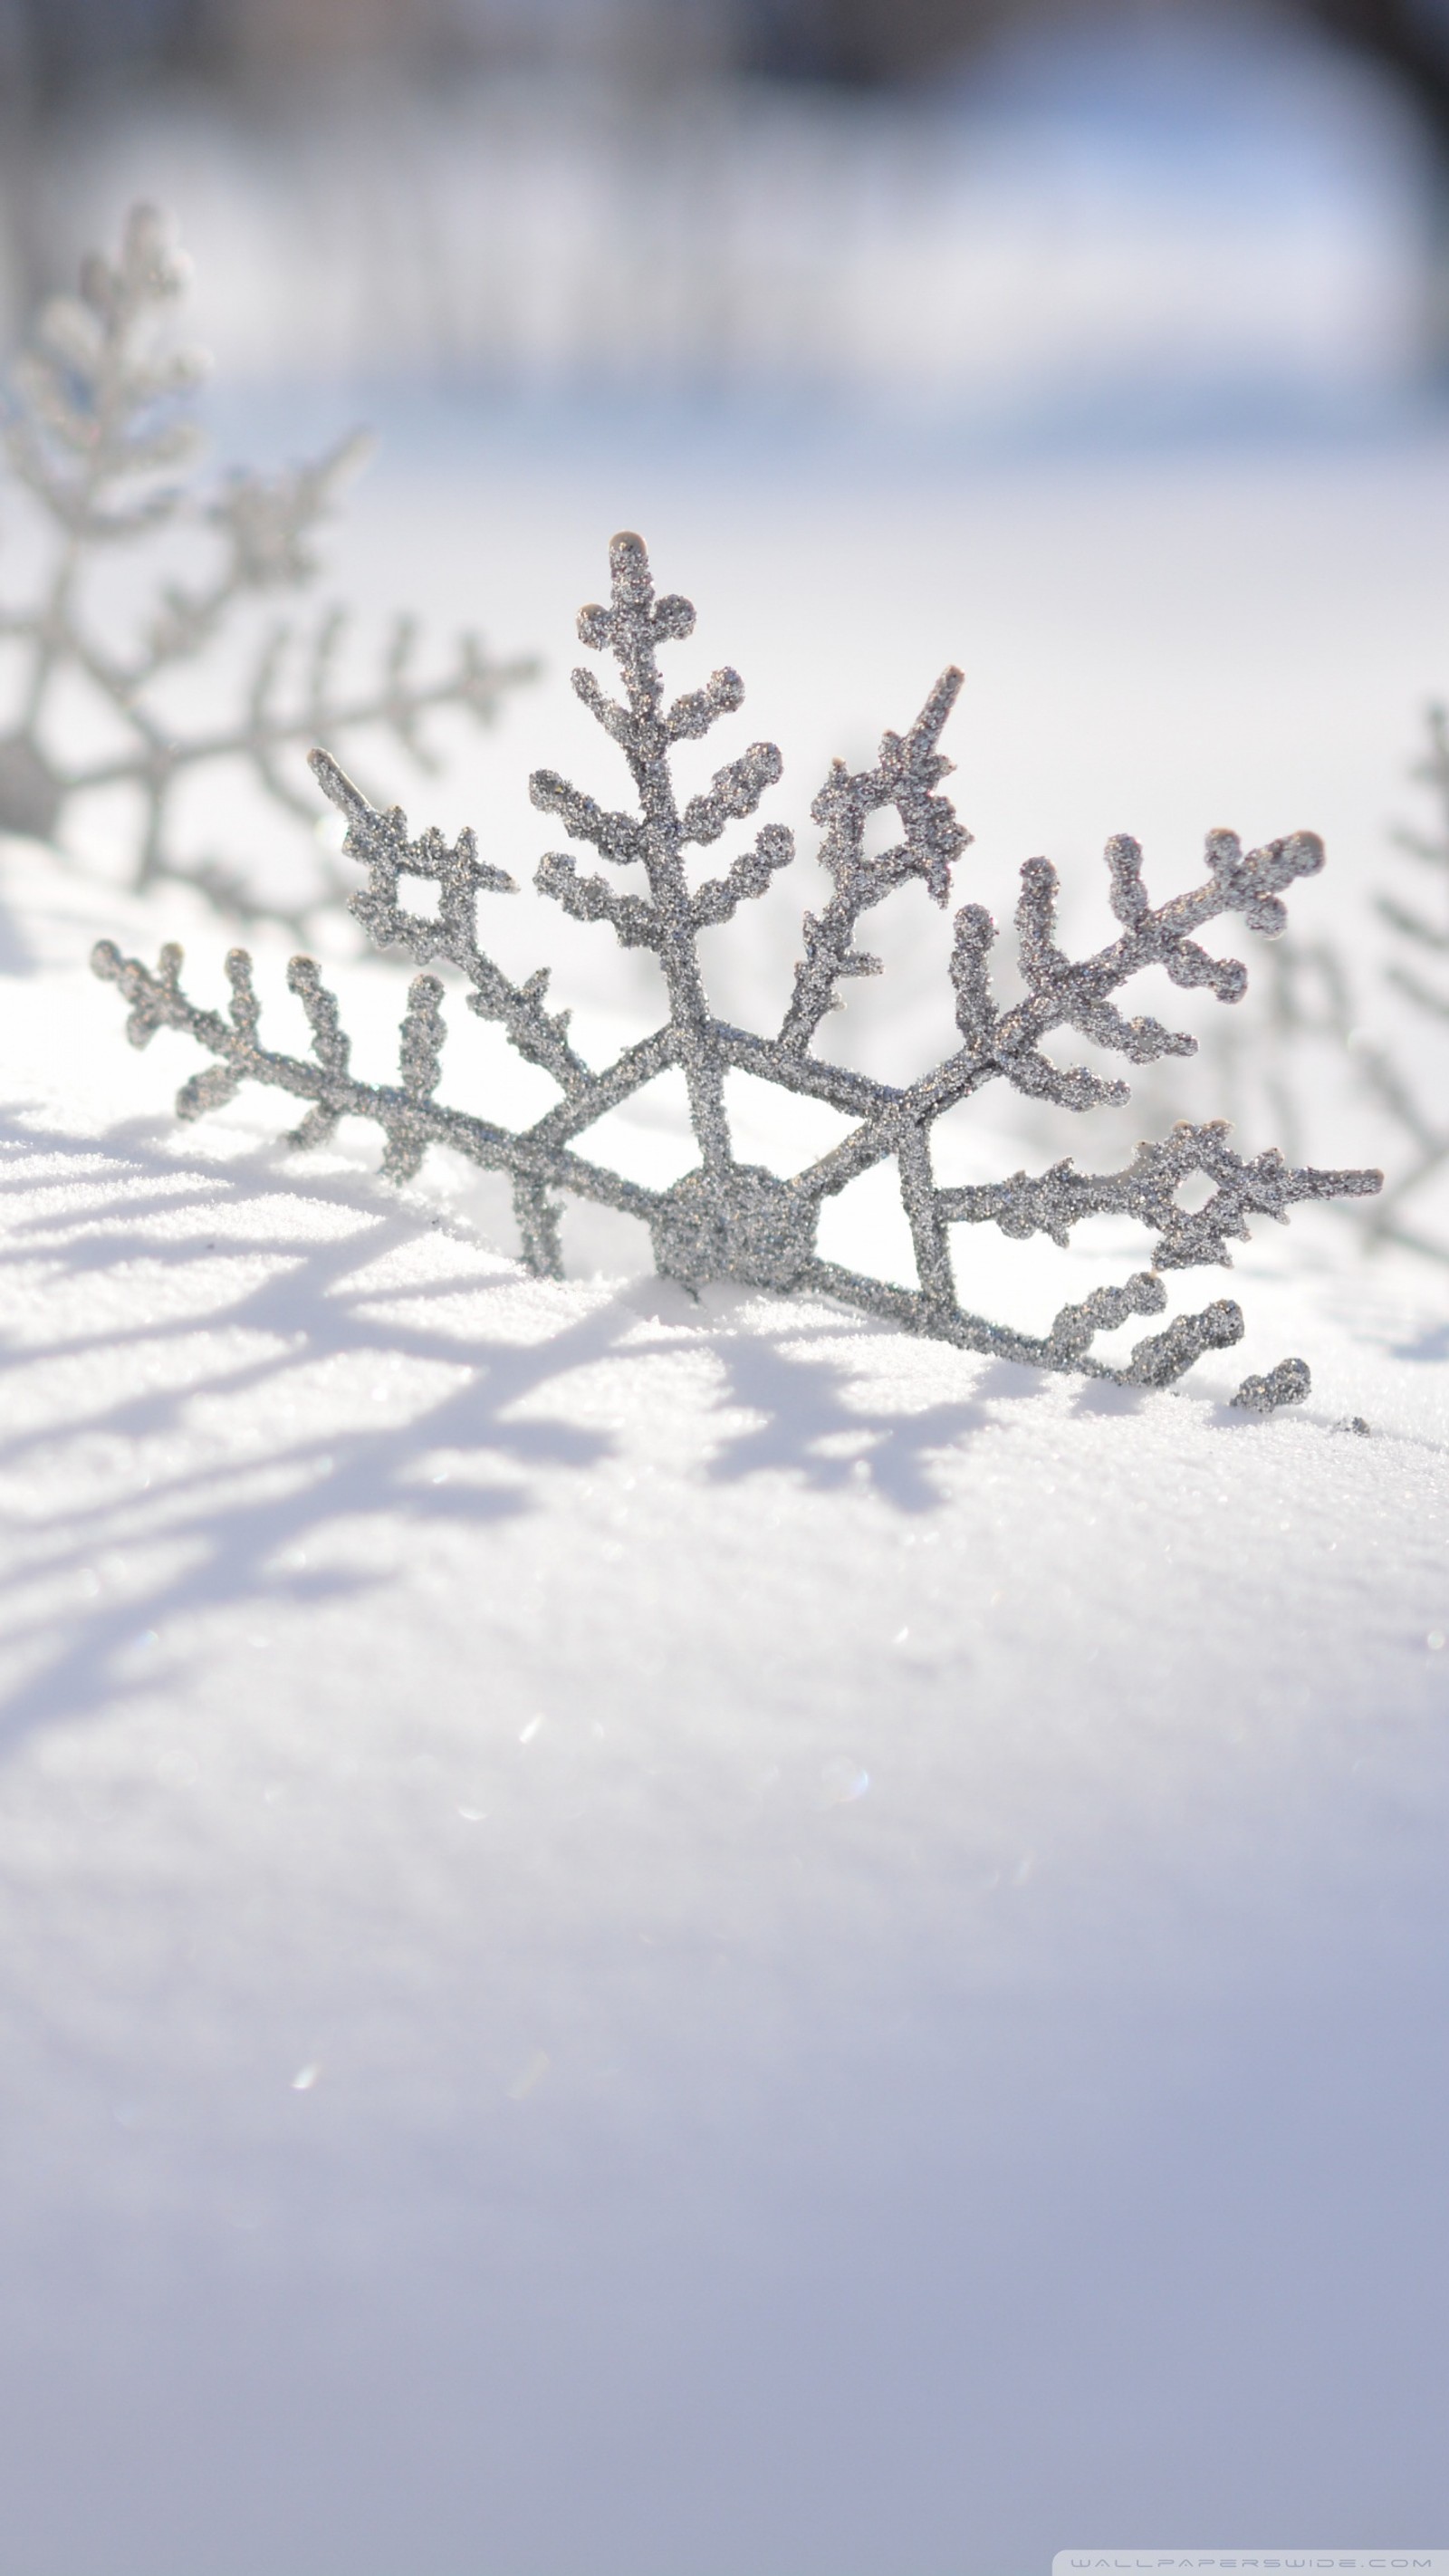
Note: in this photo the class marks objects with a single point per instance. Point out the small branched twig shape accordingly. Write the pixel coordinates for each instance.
(1416, 975)
(98, 422)
(731, 1220)
(1317, 997)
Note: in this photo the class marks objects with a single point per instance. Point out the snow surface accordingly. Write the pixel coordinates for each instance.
(657, 1940)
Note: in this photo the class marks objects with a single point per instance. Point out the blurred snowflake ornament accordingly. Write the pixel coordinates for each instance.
(1417, 972)
(99, 422)
(732, 1220)
(1332, 1024)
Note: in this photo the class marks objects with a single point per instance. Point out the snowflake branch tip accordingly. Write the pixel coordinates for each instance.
(907, 772)
(1289, 1383)
(1167, 1356)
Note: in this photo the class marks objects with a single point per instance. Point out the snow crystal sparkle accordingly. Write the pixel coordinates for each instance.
(97, 421)
(732, 1220)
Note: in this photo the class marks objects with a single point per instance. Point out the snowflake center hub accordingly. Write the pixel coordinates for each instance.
(743, 1224)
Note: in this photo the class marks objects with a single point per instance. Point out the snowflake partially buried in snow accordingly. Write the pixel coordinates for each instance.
(732, 1220)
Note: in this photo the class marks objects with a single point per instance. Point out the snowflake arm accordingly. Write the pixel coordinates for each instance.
(98, 406)
(1056, 1200)
(905, 776)
(381, 843)
(1072, 994)
(1157, 1361)
(645, 729)
(409, 1116)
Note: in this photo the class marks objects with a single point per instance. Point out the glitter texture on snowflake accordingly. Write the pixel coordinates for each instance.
(732, 1220)
(98, 421)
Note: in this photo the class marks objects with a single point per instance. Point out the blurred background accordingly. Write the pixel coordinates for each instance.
(989, 212)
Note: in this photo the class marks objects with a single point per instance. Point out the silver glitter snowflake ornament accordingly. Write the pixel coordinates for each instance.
(730, 1220)
(98, 422)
